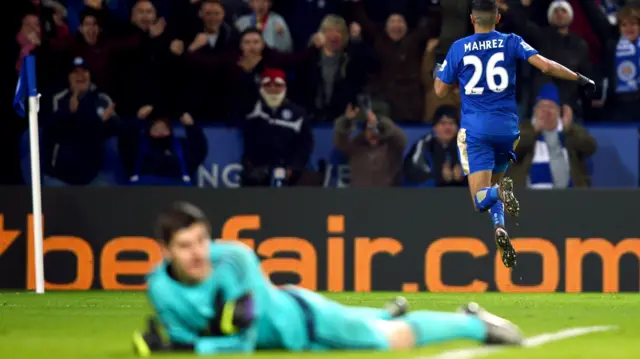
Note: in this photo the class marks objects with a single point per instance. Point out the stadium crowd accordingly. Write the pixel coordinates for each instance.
(276, 68)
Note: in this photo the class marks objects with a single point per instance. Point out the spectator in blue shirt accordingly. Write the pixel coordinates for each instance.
(433, 161)
(74, 136)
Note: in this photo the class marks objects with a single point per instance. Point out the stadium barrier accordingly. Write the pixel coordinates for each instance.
(362, 240)
(615, 164)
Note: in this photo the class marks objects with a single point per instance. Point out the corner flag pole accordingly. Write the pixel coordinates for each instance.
(28, 75)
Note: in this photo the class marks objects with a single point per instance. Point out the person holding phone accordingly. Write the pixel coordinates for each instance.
(375, 152)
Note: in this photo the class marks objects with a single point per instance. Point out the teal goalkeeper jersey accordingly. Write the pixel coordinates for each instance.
(193, 315)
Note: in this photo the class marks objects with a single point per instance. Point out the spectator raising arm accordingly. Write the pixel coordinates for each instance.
(599, 22)
(432, 101)
(295, 59)
(370, 29)
(343, 128)
(392, 134)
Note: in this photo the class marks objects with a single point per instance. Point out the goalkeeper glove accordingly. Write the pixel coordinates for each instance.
(232, 316)
(149, 341)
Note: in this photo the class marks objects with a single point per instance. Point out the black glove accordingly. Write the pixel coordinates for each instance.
(241, 318)
(149, 341)
(586, 84)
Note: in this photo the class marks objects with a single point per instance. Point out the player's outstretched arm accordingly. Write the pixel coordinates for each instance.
(552, 68)
(556, 70)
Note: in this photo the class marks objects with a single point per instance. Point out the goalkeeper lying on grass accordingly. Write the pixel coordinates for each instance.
(212, 297)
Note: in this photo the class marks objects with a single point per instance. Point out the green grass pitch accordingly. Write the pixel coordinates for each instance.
(98, 325)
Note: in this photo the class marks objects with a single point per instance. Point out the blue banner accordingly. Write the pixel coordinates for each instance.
(222, 166)
(616, 161)
(615, 164)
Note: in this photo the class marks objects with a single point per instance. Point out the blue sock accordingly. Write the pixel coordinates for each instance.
(436, 327)
(377, 313)
(497, 214)
(486, 198)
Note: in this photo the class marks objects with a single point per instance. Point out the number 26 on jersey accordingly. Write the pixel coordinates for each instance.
(491, 72)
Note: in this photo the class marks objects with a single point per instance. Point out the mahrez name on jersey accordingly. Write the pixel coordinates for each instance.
(484, 45)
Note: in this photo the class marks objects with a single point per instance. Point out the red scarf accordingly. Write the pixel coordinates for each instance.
(261, 23)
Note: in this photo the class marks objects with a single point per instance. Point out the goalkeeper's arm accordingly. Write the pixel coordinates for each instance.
(146, 344)
(235, 333)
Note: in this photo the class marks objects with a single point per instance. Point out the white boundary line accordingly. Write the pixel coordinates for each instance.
(538, 340)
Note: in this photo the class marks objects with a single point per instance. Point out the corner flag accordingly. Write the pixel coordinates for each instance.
(26, 85)
(27, 93)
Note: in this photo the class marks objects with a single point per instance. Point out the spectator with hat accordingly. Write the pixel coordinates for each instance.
(277, 135)
(553, 149)
(74, 135)
(557, 43)
(433, 160)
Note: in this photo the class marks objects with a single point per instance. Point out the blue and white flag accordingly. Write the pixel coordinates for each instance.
(26, 86)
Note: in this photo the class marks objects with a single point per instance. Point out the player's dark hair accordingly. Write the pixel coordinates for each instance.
(484, 12)
(484, 6)
(179, 216)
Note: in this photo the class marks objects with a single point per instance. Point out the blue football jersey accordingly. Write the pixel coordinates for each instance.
(485, 67)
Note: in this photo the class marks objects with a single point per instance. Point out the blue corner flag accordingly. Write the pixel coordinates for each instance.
(26, 85)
